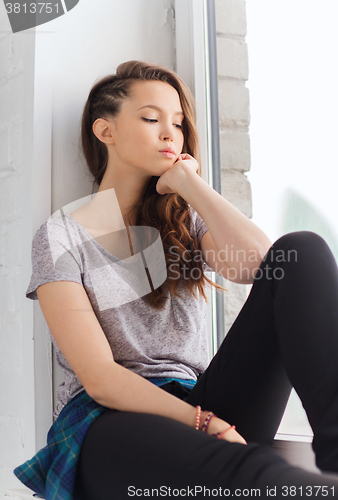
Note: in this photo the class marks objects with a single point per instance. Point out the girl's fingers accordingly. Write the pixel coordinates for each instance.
(234, 437)
(186, 156)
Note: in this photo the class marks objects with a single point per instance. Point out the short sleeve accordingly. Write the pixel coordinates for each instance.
(198, 228)
(54, 258)
(197, 225)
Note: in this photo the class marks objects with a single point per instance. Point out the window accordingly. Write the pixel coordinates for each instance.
(294, 129)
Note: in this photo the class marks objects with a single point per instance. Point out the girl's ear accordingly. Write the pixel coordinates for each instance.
(103, 130)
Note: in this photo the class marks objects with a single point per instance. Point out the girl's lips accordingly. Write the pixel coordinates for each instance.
(167, 154)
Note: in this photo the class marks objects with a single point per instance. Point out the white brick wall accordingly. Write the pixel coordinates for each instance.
(233, 58)
(233, 104)
(231, 17)
(235, 150)
(234, 117)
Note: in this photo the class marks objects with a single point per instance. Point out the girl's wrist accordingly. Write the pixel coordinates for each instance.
(203, 419)
(185, 180)
(204, 415)
(212, 424)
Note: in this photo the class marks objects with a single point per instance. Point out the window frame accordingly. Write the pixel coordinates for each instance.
(196, 64)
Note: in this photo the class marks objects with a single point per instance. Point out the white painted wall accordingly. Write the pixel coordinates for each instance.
(17, 405)
(86, 44)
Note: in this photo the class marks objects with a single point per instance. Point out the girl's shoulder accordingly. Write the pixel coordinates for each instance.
(54, 232)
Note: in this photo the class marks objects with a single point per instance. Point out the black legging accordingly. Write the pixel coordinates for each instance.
(285, 335)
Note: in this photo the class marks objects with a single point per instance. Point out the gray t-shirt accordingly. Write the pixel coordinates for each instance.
(171, 342)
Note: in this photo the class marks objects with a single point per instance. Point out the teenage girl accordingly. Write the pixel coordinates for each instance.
(141, 410)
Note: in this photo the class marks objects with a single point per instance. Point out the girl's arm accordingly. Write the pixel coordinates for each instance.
(77, 332)
(234, 246)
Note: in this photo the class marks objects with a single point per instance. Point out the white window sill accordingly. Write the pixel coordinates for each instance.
(293, 437)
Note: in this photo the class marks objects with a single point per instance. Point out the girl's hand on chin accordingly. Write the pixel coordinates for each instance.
(169, 181)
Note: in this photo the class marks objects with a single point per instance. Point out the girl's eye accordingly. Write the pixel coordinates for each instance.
(153, 120)
(149, 120)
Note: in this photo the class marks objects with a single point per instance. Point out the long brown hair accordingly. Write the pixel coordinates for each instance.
(168, 213)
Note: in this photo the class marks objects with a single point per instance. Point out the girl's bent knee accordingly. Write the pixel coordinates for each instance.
(289, 247)
(299, 238)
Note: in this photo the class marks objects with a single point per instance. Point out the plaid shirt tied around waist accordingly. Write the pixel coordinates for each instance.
(51, 472)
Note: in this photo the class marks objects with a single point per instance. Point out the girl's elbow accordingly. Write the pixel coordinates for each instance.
(100, 383)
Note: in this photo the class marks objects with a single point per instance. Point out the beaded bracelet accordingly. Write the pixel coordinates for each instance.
(198, 417)
(220, 434)
(207, 422)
